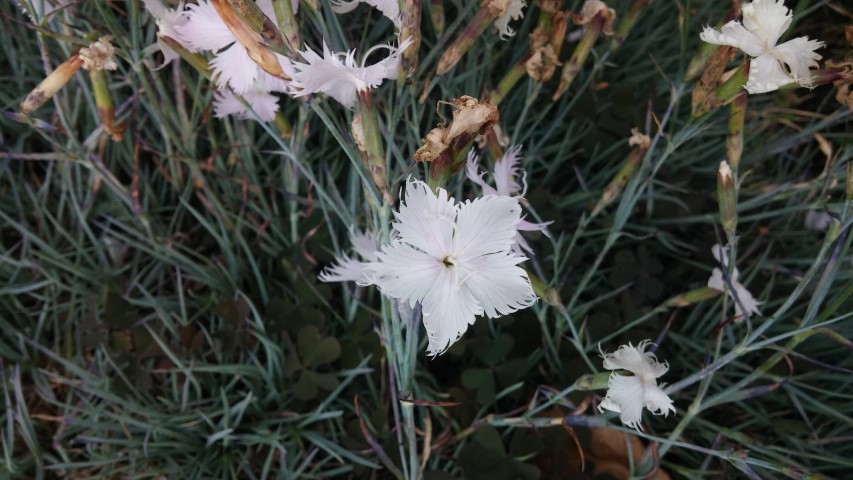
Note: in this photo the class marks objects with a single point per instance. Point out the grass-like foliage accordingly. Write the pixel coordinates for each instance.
(162, 316)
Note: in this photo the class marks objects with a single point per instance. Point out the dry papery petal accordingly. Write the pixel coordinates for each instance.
(501, 137)
(471, 117)
(542, 64)
(549, 6)
(495, 7)
(639, 139)
(99, 55)
(844, 95)
(596, 9)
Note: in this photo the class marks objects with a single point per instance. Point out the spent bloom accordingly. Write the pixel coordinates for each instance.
(348, 269)
(505, 173)
(455, 259)
(744, 298)
(389, 8)
(168, 21)
(773, 65)
(628, 394)
(338, 75)
(99, 55)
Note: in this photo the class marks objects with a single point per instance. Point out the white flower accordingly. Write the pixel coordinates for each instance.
(764, 21)
(232, 66)
(168, 21)
(259, 97)
(627, 395)
(818, 220)
(339, 76)
(389, 8)
(348, 269)
(454, 259)
(750, 306)
(512, 12)
(504, 174)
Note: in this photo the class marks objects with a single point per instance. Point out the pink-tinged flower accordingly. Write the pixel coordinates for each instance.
(744, 298)
(773, 65)
(204, 30)
(348, 269)
(505, 176)
(455, 259)
(168, 21)
(340, 77)
(628, 394)
(389, 8)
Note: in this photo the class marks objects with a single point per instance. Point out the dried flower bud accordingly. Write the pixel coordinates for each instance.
(596, 14)
(99, 55)
(842, 79)
(251, 40)
(470, 118)
(638, 139)
(51, 84)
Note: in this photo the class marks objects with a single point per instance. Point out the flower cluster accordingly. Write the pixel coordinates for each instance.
(198, 27)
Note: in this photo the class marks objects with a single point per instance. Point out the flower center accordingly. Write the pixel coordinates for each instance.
(448, 261)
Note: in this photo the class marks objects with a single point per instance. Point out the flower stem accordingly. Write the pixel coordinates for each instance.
(627, 23)
(484, 17)
(734, 139)
(373, 151)
(287, 25)
(575, 62)
(410, 28)
(104, 102)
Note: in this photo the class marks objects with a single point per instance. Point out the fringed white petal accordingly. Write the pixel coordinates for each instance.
(365, 244)
(338, 75)
(767, 19)
(204, 29)
(498, 283)
(425, 220)
(448, 309)
(766, 75)
(656, 401)
(485, 226)
(389, 8)
(514, 11)
(474, 174)
(233, 67)
(168, 21)
(717, 282)
(625, 396)
(799, 55)
(346, 269)
(636, 360)
(263, 103)
(506, 171)
(405, 273)
(735, 35)
(745, 298)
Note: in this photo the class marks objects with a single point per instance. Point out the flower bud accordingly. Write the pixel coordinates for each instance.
(727, 197)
